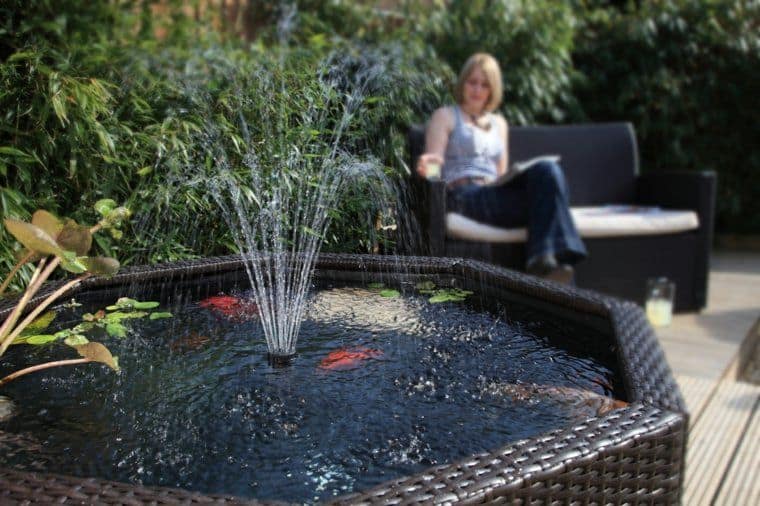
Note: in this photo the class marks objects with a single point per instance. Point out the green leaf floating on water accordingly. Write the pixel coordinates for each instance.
(40, 323)
(389, 293)
(116, 330)
(120, 315)
(122, 303)
(449, 295)
(127, 303)
(159, 315)
(145, 305)
(41, 339)
(76, 340)
(427, 286)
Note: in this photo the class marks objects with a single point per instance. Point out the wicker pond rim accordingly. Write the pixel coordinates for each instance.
(631, 455)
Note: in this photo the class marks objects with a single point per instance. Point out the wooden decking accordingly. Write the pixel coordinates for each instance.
(723, 453)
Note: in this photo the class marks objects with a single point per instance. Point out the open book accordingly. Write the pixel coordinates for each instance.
(518, 167)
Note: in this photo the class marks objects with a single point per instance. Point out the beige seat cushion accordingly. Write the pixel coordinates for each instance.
(599, 221)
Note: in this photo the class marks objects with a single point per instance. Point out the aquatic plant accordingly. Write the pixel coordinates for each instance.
(52, 242)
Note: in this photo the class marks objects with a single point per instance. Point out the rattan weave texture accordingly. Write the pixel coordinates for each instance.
(633, 455)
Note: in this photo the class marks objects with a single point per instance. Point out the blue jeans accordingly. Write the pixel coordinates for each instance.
(537, 199)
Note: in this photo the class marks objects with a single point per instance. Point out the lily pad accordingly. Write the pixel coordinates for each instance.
(159, 315)
(389, 293)
(449, 295)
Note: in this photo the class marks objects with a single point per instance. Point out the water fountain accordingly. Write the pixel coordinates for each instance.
(632, 454)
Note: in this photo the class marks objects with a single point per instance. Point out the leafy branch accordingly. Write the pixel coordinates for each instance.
(53, 242)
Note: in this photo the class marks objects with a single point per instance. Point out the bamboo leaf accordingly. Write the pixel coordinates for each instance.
(11, 151)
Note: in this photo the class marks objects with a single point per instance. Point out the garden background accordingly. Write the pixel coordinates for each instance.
(130, 100)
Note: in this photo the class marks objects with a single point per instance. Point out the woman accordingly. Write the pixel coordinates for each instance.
(470, 142)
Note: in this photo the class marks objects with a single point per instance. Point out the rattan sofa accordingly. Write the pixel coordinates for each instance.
(601, 164)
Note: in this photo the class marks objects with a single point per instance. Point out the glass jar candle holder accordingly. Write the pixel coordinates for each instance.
(659, 301)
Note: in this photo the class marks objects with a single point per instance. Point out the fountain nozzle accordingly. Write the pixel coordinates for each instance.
(278, 360)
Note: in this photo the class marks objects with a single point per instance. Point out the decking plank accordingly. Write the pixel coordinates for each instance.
(741, 485)
(714, 438)
(696, 392)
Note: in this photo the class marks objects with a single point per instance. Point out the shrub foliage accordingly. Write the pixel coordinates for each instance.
(111, 100)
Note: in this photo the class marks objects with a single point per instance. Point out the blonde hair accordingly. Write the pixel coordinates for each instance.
(490, 68)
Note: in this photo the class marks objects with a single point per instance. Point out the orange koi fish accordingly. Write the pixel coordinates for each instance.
(348, 358)
(585, 401)
(230, 306)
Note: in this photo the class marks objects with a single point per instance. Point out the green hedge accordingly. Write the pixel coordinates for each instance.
(687, 74)
(532, 41)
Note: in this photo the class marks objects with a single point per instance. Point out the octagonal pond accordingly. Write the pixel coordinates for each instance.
(388, 380)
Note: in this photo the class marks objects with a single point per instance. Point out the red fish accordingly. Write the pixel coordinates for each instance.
(230, 306)
(348, 358)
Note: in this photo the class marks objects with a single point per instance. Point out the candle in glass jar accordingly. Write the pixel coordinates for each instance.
(659, 312)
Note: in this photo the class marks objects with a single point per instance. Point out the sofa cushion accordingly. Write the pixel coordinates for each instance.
(596, 221)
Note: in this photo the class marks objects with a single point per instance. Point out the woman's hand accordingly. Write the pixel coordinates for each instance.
(429, 165)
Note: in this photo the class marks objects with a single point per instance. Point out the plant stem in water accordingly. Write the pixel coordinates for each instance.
(40, 367)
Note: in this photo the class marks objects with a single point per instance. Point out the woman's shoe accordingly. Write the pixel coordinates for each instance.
(547, 267)
(561, 274)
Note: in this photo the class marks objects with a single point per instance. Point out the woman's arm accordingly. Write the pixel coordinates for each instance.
(436, 139)
(501, 169)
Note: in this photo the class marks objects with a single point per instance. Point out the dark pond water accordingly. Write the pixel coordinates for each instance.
(380, 388)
